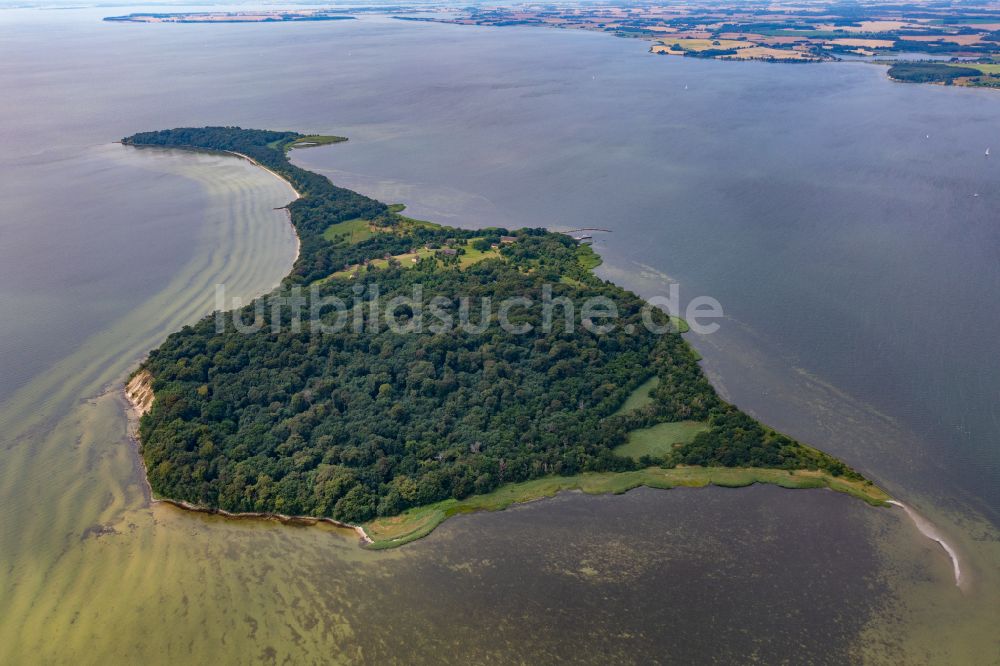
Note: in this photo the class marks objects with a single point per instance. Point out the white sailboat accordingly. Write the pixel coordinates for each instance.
(987, 152)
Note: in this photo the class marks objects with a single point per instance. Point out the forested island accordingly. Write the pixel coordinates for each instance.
(395, 427)
(261, 16)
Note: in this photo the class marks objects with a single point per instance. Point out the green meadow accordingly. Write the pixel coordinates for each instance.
(659, 440)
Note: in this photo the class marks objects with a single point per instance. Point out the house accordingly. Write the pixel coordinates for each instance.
(507, 240)
(449, 252)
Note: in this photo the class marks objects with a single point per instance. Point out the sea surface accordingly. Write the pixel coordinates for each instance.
(848, 225)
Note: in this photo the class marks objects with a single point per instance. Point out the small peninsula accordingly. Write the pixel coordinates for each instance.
(391, 427)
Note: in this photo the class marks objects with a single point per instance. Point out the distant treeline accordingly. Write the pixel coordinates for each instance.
(930, 72)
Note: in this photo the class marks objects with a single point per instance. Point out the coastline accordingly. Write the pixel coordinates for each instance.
(298, 241)
(138, 394)
(270, 171)
(419, 522)
(295, 192)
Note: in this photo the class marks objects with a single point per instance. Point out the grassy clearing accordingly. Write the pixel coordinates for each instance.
(660, 439)
(353, 231)
(421, 521)
(474, 256)
(405, 224)
(680, 324)
(310, 141)
(314, 140)
(588, 258)
(639, 397)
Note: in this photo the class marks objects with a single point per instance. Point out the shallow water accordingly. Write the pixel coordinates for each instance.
(858, 273)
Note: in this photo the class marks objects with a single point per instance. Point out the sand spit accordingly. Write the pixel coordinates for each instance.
(928, 530)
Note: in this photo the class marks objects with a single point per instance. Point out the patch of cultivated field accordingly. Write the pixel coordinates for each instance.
(961, 40)
(993, 68)
(869, 26)
(681, 45)
(864, 43)
(766, 53)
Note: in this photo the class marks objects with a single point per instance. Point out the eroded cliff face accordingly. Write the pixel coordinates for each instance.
(139, 392)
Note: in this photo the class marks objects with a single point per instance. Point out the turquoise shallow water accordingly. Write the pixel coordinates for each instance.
(858, 273)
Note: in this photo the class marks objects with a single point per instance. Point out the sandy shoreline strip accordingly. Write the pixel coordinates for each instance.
(298, 241)
(928, 530)
(273, 173)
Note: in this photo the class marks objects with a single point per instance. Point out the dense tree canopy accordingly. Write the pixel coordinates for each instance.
(356, 423)
(929, 72)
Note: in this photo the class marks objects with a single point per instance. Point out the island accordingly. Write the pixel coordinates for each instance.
(261, 16)
(393, 420)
